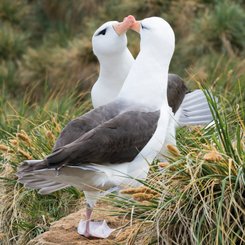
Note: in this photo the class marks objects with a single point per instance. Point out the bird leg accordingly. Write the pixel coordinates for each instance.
(89, 211)
(89, 228)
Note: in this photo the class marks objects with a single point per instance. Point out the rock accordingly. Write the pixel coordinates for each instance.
(64, 231)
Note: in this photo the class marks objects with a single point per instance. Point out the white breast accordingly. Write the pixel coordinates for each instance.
(102, 94)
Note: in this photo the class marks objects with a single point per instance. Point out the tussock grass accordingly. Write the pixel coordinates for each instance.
(200, 193)
(30, 134)
(12, 42)
(14, 12)
(47, 65)
(222, 28)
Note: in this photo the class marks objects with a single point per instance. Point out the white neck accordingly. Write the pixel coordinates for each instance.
(147, 81)
(113, 72)
(115, 68)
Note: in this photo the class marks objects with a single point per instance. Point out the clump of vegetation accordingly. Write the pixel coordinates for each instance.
(12, 43)
(197, 196)
(58, 64)
(222, 29)
(15, 12)
(46, 70)
(30, 133)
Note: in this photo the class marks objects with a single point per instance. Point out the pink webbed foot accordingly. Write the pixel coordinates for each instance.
(98, 229)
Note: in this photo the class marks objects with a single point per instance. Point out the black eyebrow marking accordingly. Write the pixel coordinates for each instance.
(144, 27)
(103, 32)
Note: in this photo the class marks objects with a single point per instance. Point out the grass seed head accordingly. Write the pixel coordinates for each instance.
(173, 149)
(13, 142)
(25, 154)
(56, 124)
(213, 156)
(139, 190)
(50, 135)
(24, 137)
(142, 197)
(4, 148)
(163, 164)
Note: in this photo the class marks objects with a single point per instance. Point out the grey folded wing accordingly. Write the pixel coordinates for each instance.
(115, 141)
(83, 124)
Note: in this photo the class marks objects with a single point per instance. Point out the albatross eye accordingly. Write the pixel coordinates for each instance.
(103, 32)
(144, 27)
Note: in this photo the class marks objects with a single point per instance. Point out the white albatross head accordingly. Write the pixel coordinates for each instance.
(110, 46)
(110, 38)
(157, 38)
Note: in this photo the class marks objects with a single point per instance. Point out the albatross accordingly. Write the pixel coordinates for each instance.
(110, 46)
(100, 149)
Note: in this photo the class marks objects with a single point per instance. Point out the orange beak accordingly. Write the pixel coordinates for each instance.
(122, 27)
(136, 26)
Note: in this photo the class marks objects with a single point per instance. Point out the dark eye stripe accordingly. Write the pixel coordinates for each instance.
(144, 27)
(103, 32)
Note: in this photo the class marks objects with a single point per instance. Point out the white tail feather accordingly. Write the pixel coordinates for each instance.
(50, 180)
(194, 110)
(51, 189)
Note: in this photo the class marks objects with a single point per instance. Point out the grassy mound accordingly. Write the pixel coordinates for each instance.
(197, 197)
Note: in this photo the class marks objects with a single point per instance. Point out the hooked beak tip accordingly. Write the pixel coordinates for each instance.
(136, 26)
(122, 27)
